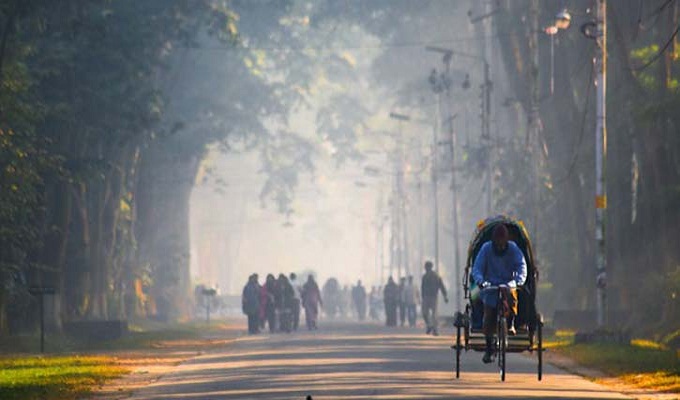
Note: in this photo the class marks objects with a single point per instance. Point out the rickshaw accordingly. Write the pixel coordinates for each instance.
(529, 322)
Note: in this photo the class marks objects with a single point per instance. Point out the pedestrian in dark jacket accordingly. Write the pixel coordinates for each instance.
(431, 285)
(297, 302)
(250, 304)
(270, 305)
(359, 300)
(402, 301)
(311, 300)
(391, 298)
(286, 294)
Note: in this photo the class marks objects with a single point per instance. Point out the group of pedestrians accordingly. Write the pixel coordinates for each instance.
(402, 300)
(278, 302)
(399, 302)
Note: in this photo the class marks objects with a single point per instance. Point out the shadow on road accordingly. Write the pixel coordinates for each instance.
(351, 362)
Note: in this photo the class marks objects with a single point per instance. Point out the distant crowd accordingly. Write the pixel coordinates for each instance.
(277, 302)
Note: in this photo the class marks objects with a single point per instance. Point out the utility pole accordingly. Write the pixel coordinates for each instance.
(442, 83)
(486, 135)
(487, 11)
(486, 117)
(534, 134)
(454, 189)
(601, 159)
(380, 226)
(401, 197)
(435, 193)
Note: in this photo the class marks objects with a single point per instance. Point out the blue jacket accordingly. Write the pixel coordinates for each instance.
(499, 269)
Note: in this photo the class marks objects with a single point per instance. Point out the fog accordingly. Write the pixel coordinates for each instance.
(338, 207)
(169, 144)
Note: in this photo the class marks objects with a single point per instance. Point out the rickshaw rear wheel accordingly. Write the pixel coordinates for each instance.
(458, 350)
(539, 333)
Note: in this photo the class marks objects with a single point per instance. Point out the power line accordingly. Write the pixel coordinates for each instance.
(575, 153)
(660, 53)
(417, 44)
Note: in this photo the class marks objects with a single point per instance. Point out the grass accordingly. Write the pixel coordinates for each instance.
(54, 377)
(641, 363)
(68, 376)
(143, 335)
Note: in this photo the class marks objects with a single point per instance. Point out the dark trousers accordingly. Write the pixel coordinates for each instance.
(253, 323)
(411, 314)
(271, 319)
(429, 309)
(402, 313)
(391, 314)
(361, 311)
(296, 313)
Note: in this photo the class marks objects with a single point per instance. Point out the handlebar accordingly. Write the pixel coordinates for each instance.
(495, 287)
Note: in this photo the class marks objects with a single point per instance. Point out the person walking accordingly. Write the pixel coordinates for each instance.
(311, 300)
(411, 298)
(431, 285)
(271, 291)
(359, 299)
(402, 301)
(250, 304)
(286, 294)
(374, 304)
(391, 298)
(297, 302)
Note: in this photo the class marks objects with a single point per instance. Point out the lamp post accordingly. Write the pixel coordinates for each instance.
(597, 30)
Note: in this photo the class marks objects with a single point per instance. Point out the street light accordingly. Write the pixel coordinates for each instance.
(597, 30)
(562, 19)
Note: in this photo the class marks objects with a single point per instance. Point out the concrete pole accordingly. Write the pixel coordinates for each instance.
(486, 135)
(600, 161)
(454, 190)
(534, 136)
(405, 257)
(435, 183)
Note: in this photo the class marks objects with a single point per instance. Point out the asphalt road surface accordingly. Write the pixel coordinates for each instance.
(351, 361)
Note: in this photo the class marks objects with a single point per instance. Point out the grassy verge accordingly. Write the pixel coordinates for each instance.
(640, 363)
(55, 377)
(71, 369)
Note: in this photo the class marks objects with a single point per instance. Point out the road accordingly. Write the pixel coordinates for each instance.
(350, 361)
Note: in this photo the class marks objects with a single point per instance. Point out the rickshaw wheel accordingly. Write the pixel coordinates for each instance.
(458, 350)
(502, 346)
(540, 346)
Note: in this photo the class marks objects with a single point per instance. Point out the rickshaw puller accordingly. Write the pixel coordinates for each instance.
(499, 262)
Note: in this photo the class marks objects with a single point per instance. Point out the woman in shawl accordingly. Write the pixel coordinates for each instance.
(311, 300)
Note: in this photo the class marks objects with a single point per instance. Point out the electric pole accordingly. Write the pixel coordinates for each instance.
(401, 198)
(601, 159)
(534, 134)
(442, 83)
(435, 192)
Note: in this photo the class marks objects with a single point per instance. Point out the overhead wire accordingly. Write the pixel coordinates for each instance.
(358, 47)
(577, 146)
(660, 53)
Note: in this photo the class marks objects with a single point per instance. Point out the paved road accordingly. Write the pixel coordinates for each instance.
(346, 361)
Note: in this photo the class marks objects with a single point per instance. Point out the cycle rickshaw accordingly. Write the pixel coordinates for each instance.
(528, 321)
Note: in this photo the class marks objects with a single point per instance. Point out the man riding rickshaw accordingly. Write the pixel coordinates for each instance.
(500, 286)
